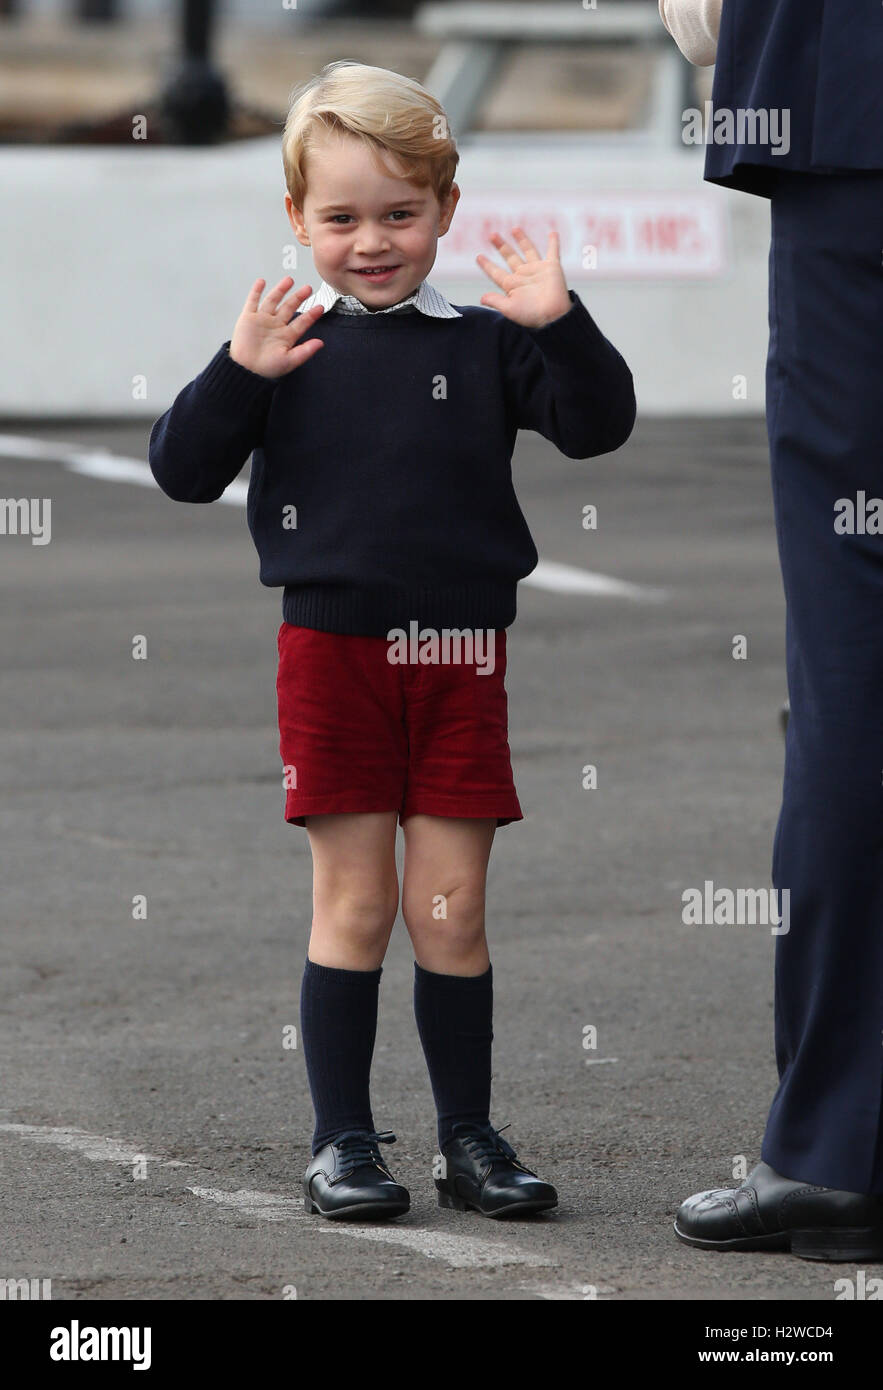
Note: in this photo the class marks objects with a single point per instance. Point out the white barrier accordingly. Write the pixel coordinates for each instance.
(125, 269)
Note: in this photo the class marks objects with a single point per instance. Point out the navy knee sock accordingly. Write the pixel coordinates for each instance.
(338, 1021)
(454, 1019)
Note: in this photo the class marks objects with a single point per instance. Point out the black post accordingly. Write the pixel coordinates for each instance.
(194, 104)
(197, 18)
(97, 9)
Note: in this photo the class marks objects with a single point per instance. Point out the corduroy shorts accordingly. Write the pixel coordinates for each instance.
(359, 733)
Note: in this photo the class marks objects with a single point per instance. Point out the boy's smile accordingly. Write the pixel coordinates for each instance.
(372, 234)
(379, 274)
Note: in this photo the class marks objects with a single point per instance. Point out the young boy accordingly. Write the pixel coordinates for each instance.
(381, 500)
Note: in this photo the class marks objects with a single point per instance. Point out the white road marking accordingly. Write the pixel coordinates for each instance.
(559, 1292)
(461, 1252)
(458, 1251)
(98, 463)
(95, 1146)
(568, 579)
(554, 1292)
(115, 468)
(266, 1206)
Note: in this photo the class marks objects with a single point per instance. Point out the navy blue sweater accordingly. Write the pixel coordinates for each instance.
(381, 483)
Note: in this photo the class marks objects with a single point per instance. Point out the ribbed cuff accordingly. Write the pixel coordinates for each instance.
(433, 980)
(333, 974)
(236, 385)
(574, 332)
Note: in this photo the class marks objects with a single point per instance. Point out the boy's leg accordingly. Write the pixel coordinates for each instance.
(355, 888)
(445, 872)
(355, 900)
(446, 864)
(443, 904)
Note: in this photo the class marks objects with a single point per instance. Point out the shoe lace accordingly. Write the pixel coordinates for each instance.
(359, 1146)
(483, 1141)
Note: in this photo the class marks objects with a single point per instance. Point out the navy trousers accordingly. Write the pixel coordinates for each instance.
(825, 422)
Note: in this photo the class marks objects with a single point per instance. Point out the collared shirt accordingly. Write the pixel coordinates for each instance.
(425, 300)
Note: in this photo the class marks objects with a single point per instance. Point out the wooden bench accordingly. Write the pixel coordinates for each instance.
(478, 34)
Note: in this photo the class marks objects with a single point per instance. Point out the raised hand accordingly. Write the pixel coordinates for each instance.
(534, 288)
(267, 336)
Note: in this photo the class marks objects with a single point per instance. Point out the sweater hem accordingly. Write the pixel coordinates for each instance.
(374, 612)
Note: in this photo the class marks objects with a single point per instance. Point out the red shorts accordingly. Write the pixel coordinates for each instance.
(359, 733)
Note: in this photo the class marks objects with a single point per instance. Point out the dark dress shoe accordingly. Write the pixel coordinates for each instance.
(348, 1178)
(769, 1212)
(482, 1174)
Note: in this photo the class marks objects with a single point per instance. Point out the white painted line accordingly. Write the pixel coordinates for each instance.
(98, 1147)
(461, 1252)
(568, 579)
(554, 1292)
(112, 468)
(115, 468)
(98, 463)
(23, 447)
(599, 1061)
(458, 1251)
(559, 1292)
(265, 1206)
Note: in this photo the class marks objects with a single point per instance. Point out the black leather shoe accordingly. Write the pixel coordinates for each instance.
(769, 1212)
(482, 1174)
(348, 1178)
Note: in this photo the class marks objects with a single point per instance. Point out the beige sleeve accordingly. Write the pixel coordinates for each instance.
(694, 26)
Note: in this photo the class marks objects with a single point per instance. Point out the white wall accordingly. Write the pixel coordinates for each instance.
(123, 263)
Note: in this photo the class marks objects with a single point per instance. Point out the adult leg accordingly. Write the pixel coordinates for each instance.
(825, 417)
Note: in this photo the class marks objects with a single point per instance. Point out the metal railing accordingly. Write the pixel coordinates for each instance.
(479, 34)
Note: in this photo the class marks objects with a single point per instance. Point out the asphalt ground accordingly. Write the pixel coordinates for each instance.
(161, 777)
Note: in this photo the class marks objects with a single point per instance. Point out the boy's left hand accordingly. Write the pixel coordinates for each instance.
(535, 291)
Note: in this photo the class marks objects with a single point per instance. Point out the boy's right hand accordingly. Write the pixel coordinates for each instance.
(266, 336)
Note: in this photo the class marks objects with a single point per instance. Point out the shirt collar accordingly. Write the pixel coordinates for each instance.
(425, 299)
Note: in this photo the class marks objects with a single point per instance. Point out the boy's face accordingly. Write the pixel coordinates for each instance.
(356, 217)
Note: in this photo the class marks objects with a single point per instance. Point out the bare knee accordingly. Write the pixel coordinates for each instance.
(355, 888)
(365, 910)
(352, 923)
(448, 929)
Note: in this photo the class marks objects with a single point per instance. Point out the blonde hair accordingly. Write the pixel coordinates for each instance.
(386, 110)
